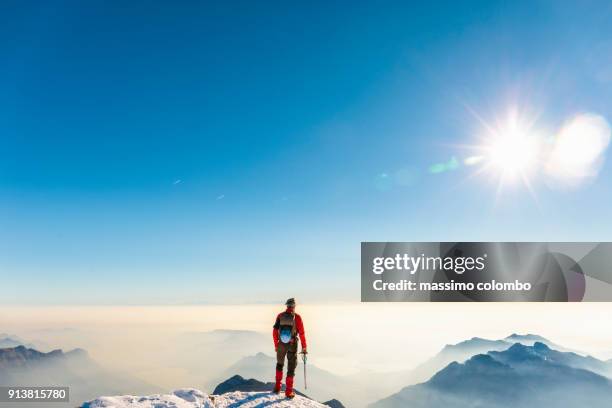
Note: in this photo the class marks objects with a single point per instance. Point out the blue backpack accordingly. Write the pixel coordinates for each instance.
(287, 327)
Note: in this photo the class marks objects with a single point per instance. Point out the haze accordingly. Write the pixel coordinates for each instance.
(344, 338)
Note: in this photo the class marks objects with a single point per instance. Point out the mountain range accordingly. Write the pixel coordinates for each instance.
(462, 351)
(519, 377)
(519, 371)
(365, 388)
(22, 366)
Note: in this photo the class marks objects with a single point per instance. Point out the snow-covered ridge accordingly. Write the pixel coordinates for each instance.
(192, 398)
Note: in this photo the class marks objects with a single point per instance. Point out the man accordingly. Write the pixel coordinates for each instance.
(287, 328)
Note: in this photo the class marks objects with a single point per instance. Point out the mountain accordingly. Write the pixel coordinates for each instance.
(191, 398)
(388, 383)
(86, 379)
(462, 351)
(8, 341)
(519, 377)
(237, 383)
(456, 352)
(531, 339)
(21, 357)
(459, 352)
(334, 403)
(322, 385)
(526, 339)
(540, 350)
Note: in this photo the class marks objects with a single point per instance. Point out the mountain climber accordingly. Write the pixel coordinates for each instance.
(287, 328)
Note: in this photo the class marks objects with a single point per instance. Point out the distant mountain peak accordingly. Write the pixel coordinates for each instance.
(518, 352)
(481, 359)
(515, 337)
(539, 346)
(22, 353)
(77, 352)
(22, 356)
(474, 342)
(518, 347)
(10, 341)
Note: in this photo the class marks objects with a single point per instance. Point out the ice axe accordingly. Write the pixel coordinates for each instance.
(304, 359)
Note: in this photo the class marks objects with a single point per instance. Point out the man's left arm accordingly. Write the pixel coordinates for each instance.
(275, 333)
(301, 332)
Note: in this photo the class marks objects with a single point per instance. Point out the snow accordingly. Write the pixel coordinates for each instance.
(183, 398)
(262, 399)
(192, 398)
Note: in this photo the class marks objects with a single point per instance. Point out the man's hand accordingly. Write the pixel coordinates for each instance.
(304, 351)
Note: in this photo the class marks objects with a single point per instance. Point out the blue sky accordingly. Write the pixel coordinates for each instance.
(196, 152)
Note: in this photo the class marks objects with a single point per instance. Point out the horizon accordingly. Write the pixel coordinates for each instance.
(112, 334)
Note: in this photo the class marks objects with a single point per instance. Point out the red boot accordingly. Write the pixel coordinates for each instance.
(289, 390)
(279, 380)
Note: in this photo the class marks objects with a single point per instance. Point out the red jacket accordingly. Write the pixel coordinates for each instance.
(299, 327)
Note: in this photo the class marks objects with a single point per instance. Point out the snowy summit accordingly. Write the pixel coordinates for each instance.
(192, 398)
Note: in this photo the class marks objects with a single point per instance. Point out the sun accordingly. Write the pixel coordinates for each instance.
(512, 152)
(509, 152)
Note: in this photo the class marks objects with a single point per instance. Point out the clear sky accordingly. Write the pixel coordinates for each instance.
(190, 152)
